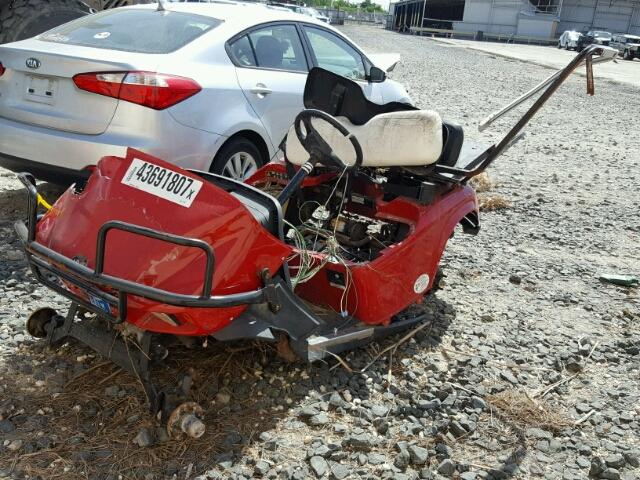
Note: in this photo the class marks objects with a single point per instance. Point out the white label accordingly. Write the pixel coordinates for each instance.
(162, 182)
(421, 283)
(102, 35)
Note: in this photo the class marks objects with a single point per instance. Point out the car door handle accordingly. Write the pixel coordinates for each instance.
(261, 90)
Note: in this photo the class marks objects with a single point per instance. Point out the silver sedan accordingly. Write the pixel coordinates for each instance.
(213, 86)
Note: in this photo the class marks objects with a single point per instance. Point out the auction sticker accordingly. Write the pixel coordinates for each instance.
(421, 283)
(162, 182)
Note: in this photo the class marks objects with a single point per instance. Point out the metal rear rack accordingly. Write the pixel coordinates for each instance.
(59, 267)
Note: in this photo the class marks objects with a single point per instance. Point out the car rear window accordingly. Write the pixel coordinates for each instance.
(133, 30)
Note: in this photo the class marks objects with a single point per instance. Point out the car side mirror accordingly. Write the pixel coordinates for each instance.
(377, 75)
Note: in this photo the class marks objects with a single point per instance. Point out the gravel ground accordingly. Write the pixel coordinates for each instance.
(527, 368)
(552, 57)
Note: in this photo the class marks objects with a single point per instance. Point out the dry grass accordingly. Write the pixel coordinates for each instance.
(482, 183)
(488, 203)
(81, 418)
(493, 203)
(520, 409)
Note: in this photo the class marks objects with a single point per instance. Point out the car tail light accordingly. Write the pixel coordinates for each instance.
(2, 69)
(153, 90)
(107, 84)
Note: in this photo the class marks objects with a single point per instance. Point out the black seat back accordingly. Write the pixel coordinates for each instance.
(339, 96)
(451, 144)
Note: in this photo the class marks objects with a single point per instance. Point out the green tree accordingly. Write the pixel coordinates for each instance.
(346, 6)
(369, 6)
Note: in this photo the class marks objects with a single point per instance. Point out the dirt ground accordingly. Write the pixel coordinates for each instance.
(527, 367)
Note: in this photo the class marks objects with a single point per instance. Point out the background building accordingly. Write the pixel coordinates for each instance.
(527, 18)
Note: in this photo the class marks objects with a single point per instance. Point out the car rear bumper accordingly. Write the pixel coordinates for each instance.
(63, 157)
(43, 171)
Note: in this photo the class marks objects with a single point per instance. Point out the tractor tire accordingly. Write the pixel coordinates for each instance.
(20, 19)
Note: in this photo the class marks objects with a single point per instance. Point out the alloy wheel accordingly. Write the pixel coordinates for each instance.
(240, 166)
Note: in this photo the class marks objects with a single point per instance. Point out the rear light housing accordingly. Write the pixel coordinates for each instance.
(2, 69)
(149, 89)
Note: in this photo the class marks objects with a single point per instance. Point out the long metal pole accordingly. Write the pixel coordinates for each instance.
(607, 55)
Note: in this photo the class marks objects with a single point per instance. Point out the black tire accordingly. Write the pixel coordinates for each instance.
(559, 45)
(439, 280)
(26, 18)
(626, 55)
(236, 146)
(38, 321)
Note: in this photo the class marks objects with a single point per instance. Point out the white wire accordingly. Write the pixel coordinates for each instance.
(305, 268)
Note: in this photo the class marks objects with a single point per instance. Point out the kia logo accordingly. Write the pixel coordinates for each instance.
(33, 63)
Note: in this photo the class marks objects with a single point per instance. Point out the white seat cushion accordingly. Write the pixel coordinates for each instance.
(400, 139)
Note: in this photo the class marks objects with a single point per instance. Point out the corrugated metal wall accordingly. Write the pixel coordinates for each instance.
(616, 16)
(491, 16)
(504, 16)
(635, 21)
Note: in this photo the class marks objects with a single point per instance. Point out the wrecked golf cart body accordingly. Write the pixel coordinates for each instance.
(322, 252)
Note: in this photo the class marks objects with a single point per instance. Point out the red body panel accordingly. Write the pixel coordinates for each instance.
(385, 286)
(378, 289)
(241, 246)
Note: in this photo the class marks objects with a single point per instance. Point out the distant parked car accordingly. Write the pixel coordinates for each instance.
(628, 46)
(210, 86)
(312, 12)
(288, 6)
(569, 40)
(308, 11)
(594, 37)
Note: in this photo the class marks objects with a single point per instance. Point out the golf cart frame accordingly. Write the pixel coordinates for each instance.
(272, 308)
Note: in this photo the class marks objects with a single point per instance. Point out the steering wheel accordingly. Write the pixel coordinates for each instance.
(315, 145)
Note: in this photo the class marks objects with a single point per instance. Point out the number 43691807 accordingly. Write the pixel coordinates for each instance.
(164, 179)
